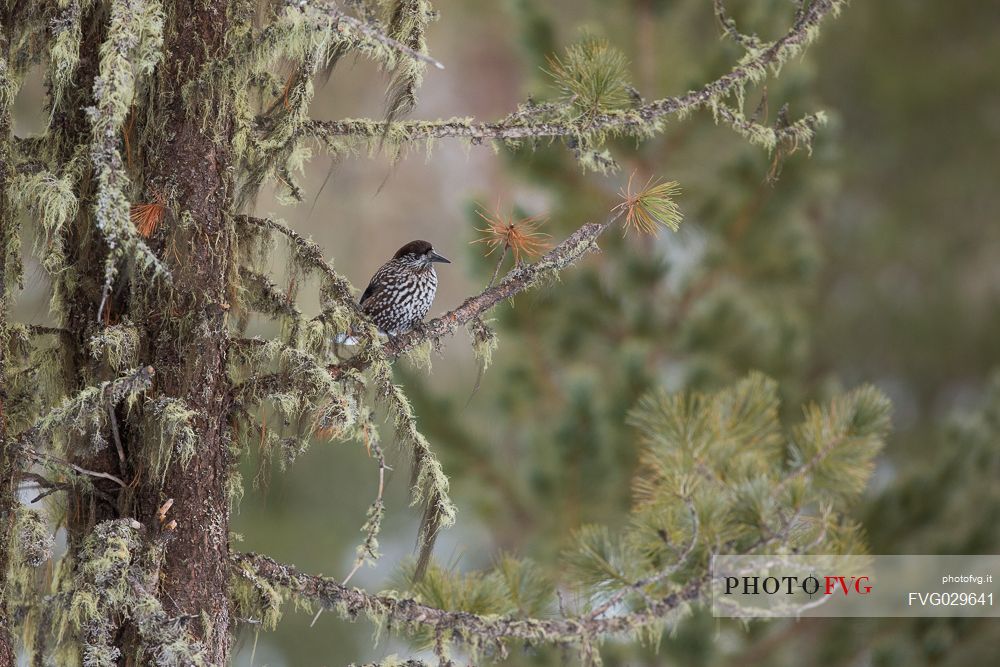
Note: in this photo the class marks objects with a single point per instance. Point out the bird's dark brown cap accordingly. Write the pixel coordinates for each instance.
(413, 248)
(419, 248)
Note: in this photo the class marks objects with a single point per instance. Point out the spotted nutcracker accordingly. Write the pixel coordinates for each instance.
(401, 291)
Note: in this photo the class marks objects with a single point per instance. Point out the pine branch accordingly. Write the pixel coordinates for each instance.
(537, 122)
(524, 127)
(463, 626)
(429, 485)
(641, 584)
(519, 279)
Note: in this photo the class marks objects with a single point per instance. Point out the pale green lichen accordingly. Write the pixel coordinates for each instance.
(117, 344)
(33, 539)
(419, 356)
(174, 421)
(86, 413)
(64, 46)
(52, 201)
(430, 484)
(132, 47)
(255, 598)
(484, 342)
(407, 24)
(113, 579)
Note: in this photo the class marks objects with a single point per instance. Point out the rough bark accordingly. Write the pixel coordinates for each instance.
(183, 333)
(185, 325)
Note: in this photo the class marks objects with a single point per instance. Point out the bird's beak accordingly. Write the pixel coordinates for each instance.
(434, 257)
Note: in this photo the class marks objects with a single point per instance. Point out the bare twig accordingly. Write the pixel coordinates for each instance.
(49, 487)
(54, 487)
(367, 549)
(42, 457)
(114, 434)
(496, 271)
(729, 27)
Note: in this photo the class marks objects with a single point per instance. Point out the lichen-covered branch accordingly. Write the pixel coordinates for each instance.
(429, 483)
(750, 42)
(737, 432)
(523, 128)
(345, 23)
(86, 412)
(471, 629)
(550, 121)
(336, 288)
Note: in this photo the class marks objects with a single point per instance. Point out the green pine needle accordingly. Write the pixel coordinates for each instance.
(593, 76)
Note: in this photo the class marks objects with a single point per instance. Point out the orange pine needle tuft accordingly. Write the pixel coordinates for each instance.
(651, 207)
(147, 217)
(520, 236)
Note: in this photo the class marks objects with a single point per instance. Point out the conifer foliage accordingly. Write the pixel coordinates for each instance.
(126, 420)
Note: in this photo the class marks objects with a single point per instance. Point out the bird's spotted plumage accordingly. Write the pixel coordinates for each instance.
(402, 290)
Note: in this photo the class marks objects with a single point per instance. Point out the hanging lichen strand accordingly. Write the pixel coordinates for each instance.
(129, 54)
(129, 415)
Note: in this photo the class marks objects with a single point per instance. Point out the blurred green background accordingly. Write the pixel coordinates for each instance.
(875, 259)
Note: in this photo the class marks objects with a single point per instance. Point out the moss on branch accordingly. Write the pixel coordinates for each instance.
(589, 130)
(472, 630)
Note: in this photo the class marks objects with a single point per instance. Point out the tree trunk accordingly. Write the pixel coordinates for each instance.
(183, 157)
(185, 328)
